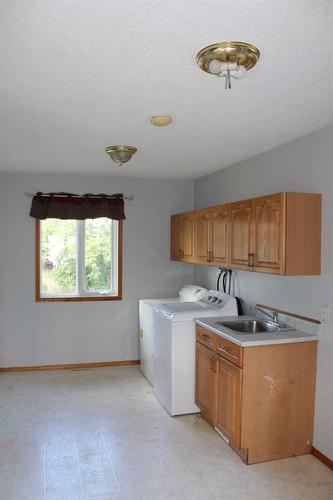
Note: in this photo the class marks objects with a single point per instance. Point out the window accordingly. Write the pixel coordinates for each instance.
(78, 259)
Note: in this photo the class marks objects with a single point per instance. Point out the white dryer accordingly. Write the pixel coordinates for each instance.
(191, 293)
(174, 348)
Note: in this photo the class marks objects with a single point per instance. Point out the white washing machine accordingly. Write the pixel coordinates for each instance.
(174, 348)
(191, 293)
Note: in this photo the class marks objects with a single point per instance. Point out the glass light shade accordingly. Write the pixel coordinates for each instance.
(120, 154)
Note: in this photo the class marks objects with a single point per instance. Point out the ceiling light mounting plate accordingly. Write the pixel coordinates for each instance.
(242, 53)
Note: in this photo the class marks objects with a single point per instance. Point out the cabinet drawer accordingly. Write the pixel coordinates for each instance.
(207, 338)
(230, 351)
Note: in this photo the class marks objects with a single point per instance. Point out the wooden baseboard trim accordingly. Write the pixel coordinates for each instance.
(72, 366)
(323, 458)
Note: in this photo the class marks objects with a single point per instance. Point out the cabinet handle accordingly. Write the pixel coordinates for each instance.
(226, 350)
(209, 255)
(206, 338)
(141, 333)
(250, 259)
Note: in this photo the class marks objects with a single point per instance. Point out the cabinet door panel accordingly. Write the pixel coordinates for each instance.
(202, 234)
(182, 237)
(219, 235)
(188, 237)
(240, 234)
(228, 406)
(268, 227)
(205, 381)
(176, 238)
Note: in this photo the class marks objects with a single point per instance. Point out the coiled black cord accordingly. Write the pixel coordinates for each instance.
(226, 275)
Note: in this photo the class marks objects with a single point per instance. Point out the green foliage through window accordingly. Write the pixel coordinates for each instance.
(98, 252)
(76, 249)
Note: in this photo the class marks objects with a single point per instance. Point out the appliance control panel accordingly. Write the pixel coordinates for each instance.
(215, 298)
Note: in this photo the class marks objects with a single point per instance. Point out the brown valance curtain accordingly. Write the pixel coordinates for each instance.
(76, 206)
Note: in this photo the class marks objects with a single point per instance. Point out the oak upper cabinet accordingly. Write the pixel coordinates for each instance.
(176, 237)
(202, 237)
(303, 234)
(228, 401)
(182, 237)
(257, 234)
(219, 235)
(212, 236)
(269, 233)
(205, 382)
(277, 234)
(187, 224)
(241, 215)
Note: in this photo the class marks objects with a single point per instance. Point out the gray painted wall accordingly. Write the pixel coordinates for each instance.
(303, 165)
(51, 333)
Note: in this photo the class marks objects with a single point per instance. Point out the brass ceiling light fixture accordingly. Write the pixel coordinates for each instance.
(228, 60)
(120, 154)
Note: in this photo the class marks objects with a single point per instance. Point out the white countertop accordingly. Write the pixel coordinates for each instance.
(253, 339)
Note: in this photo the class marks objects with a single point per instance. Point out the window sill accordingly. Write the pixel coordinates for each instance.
(79, 299)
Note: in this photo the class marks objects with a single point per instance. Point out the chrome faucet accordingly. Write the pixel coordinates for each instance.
(274, 316)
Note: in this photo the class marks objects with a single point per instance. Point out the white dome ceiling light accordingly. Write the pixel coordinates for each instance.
(228, 60)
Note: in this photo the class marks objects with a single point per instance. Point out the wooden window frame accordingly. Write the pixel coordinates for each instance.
(39, 298)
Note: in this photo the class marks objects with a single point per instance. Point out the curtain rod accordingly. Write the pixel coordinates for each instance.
(130, 197)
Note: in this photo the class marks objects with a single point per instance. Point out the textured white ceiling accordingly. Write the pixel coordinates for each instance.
(78, 75)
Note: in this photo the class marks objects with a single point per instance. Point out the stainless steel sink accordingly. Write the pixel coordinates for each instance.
(247, 326)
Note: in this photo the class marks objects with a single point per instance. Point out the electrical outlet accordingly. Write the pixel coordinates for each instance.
(325, 313)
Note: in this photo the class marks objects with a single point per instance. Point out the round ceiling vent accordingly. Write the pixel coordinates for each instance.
(160, 120)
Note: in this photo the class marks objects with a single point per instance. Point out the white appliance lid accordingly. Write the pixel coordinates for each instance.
(225, 305)
(179, 307)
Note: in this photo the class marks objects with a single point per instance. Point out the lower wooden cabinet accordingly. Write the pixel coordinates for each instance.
(218, 393)
(228, 401)
(205, 386)
(262, 403)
